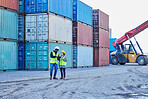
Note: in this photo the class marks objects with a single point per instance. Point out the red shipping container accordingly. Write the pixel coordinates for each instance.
(100, 20)
(100, 38)
(103, 56)
(103, 38)
(96, 57)
(10, 4)
(82, 34)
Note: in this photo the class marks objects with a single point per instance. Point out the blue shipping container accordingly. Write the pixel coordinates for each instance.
(37, 55)
(59, 7)
(21, 56)
(8, 24)
(75, 56)
(82, 12)
(8, 55)
(20, 28)
(21, 6)
(111, 47)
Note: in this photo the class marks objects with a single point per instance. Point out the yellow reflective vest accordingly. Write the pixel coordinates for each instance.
(62, 63)
(54, 60)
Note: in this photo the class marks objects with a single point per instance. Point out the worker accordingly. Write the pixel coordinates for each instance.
(54, 55)
(63, 62)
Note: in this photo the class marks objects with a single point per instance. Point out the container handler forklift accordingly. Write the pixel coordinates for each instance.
(127, 53)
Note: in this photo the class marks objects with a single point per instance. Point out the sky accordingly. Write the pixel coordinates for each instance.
(124, 15)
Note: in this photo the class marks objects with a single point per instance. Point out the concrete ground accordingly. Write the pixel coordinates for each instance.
(112, 82)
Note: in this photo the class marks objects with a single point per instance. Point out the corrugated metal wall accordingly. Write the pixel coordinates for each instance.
(21, 56)
(60, 29)
(8, 55)
(20, 28)
(82, 12)
(60, 7)
(84, 56)
(11, 4)
(21, 6)
(8, 24)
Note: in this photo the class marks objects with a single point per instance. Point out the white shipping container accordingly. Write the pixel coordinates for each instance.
(84, 56)
(60, 29)
(39, 25)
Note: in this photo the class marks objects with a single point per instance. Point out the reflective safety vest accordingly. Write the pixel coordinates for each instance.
(62, 63)
(54, 60)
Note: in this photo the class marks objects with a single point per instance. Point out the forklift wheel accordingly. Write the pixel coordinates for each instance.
(122, 63)
(114, 60)
(142, 60)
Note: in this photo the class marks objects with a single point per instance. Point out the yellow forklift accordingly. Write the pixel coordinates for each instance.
(127, 53)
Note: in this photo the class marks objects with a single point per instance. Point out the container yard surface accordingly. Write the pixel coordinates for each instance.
(113, 82)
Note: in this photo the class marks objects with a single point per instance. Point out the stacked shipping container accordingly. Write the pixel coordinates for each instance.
(82, 35)
(47, 26)
(100, 38)
(8, 34)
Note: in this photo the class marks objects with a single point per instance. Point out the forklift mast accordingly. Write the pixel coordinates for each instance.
(131, 34)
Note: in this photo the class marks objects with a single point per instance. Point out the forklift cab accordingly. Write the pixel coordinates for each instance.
(128, 49)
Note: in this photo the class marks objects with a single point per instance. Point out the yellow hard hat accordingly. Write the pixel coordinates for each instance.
(63, 51)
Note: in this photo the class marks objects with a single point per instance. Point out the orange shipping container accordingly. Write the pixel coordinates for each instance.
(10, 4)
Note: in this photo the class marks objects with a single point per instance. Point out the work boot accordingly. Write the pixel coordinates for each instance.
(50, 77)
(55, 78)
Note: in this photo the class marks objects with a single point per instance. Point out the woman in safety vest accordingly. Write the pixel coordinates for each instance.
(63, 62)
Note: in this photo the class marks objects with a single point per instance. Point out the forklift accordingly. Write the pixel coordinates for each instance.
(127, 53)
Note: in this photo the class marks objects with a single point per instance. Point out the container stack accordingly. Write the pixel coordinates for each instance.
(82, 35)
(8, 34)
(111, 47)
(48, 23)
(21, 36)
(100, 38)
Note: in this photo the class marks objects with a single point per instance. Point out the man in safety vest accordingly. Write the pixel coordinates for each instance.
(54, 55)
(63, 62)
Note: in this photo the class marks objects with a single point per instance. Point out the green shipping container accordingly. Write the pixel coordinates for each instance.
(38, 54)
(8, 24)
(8, 55)
(21, 6)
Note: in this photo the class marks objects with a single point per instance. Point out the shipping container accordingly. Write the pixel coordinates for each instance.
(8, 24)
(82, 12)
(8, 55)
(75, 56)
(83, 56)
(103, 56)
(11, 4)
(39, 25)
(100, 38)
(21, 6)
(36, 56)
(20, 28)
(59, 7)
(21, 56)
(111, 47)
(67, 48)
(100, 20)
(82, 34)
(96, 57)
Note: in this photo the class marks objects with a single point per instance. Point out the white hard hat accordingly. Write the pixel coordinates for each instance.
(57, 48)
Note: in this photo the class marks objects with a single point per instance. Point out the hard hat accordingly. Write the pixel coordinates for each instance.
(57, 48)
(63, 51)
